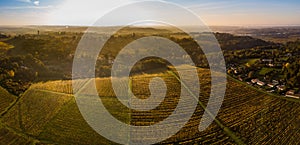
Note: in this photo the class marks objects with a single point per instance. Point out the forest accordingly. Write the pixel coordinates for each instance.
(48, 55)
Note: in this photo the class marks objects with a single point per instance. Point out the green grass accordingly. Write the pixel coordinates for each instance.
(285, 58)
(5, 46)
(265, 71)
(251, 61)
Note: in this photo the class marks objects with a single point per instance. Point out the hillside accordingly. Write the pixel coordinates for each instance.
(46, 53)
(47, 113)
(232, 42)
(5, 99)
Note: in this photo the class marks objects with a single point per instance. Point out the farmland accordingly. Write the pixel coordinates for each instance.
(33, 111)
(9, 137)
(47, 113)
(5, 99)
(259, 118)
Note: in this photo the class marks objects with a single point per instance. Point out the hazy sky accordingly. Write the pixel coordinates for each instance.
(212, 12)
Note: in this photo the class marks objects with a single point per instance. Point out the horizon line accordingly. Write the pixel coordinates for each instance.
(66, 25)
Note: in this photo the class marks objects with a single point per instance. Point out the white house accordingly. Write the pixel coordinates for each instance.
(281, 87)
(254, 81)
(261, 83)
(291, 94)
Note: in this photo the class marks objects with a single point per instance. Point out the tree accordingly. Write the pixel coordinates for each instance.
(11, 73)
(251, 74)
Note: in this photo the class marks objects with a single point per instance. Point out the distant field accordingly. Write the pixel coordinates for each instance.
(48, 114)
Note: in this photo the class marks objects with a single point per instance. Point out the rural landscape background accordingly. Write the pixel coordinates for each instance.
(261, 103)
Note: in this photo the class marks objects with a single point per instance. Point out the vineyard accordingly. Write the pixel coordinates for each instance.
(260, 119)
(5, 99)
(55, 86)
(47, 113)
(9, 137)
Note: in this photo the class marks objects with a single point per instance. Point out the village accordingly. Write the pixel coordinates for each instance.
(265, 74)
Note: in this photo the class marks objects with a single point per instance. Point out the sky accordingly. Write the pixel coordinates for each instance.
(212, 12)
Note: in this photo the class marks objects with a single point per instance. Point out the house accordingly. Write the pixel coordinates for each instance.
(267, 60)
(281, 87)
(271, 65)
(289, 54)
(291, 94)
(24, 67)
(296, 96)
(236, 71)
(273, 84)
(240, 78)
(261, 83)
(254, 81)
(275, 81)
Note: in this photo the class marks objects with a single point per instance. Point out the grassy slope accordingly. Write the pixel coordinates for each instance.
(9, 137)
(5, 99)
(255, 117)
(34, 109)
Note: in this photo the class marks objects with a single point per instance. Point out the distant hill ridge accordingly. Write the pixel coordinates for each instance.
(232, 42)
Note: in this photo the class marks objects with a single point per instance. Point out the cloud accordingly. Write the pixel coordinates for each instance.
(213, 5)
(24, 1)
(86, 11)
(27, 7)
(36, 3)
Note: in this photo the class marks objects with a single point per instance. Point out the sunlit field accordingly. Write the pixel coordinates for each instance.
(47, 113)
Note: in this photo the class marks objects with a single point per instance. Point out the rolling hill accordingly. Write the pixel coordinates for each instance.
(6, 99)
(47, 114)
